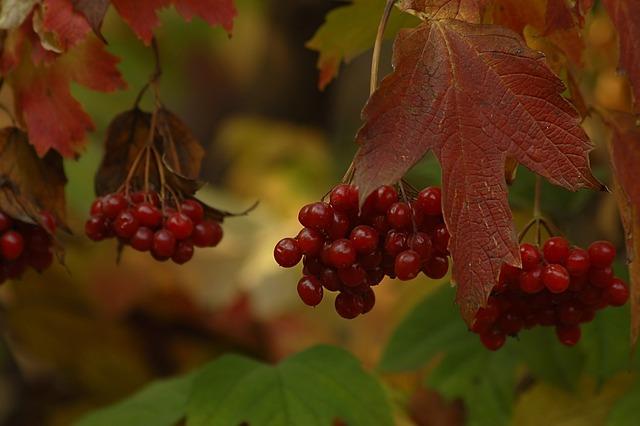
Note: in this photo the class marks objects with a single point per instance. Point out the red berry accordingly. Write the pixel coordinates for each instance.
(490, 313)
(40, 260)
(368, 300)
(375, 276)
(113, 204)
(340, 226)
(184, 252)
(125, 224)
(48, 222)
(344, 198)
(142, 240)
(399, 215)
(440, 238)
(193, 209)
(430, 201)
(180, 225)
(395, 242)
(407, 265)
(148, 215)
(530, 282)
(601, 253)
(95, 228)
(617, 293)
(341, 253)
(164, 243)
(310, 290)
(508, 275)
(568, 335)
(349, 305)
(570, 312)
(11, 245)
(370, 260)
(436, 267)
(385, 196)
(578, 262)
(421, 243)
(556, 250)
(287, 252)
(493, 339)
(555, 277)
(317, 216)
(364, 238)
(510, 323)
(5, 222)
(330, 279)
(590, 296)
(310, 241)
(312, 265)
(601, 277)
(207, 233)
(530, 256)
(352, 276)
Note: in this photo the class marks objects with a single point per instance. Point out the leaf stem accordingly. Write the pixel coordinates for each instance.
(377, 46)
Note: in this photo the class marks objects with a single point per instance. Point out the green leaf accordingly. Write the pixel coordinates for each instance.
(162, 403)
(547, 359)
(434, 326)
(351, 30)
(625, 411)
(314, 387)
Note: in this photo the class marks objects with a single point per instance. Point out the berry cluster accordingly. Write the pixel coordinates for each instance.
(562, 286)
(351, 250)
(142, 222)
(23, 244)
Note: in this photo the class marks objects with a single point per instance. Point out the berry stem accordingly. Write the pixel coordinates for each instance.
(406, 200)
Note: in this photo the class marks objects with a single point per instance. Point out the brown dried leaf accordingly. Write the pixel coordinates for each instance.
(29, 184)
(93, 11)
(464, 10)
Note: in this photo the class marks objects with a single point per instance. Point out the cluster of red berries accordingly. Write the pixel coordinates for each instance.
(142, 222)
(23, 244)
(350, 250)
(562, 287)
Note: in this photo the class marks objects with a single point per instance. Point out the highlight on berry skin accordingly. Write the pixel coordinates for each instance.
(351, 250)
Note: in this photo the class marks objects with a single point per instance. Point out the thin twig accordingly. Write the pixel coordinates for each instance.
(377, 47)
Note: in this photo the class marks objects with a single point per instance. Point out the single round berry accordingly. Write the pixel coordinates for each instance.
(95, 228)
(556, 250)
(142, 240)
(48, 222)
(421, 243)
(368, 300)
(601, 277)
(436, 267)
(510, 323)
(349, 305)
(493, 339)
(370, 260)
(310, 290)
(440, 238)
(407, 265)
(164, 243)
(193, 209)
(344, 198)
(317, 216)
(11, 245)
(125, 224)
(310, 241)
(184, 252)
(330, 280)
(617, 293)
(5, 222)
(399, 215)
(578, 262)
(375, 276)
(341, 253)
(530, 282)
(530, 256)
(353, 276)
(207, 233)
(340, 226)
(180, 225)
(312, 265)
(385, 196)
(41, 260)
(555, 278)
(568, 335)
(113, 204)
(601, 254)
(287, 252)
(430, 201)
(570, 312)
(148, 215)
(364, 238)
(395, 242)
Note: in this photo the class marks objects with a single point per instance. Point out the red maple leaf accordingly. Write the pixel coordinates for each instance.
(474, 95)
(53, 118)
(143, 19)
(624, 14)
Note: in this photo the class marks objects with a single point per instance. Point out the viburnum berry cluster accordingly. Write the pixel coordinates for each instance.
(562, 287)
(24, 244)
(148, 224)
(350, 250)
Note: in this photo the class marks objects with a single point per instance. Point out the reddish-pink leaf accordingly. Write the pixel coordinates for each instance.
(474, 95)
(68, 26)
(625, 153)
(143, 19)
(625, 15)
